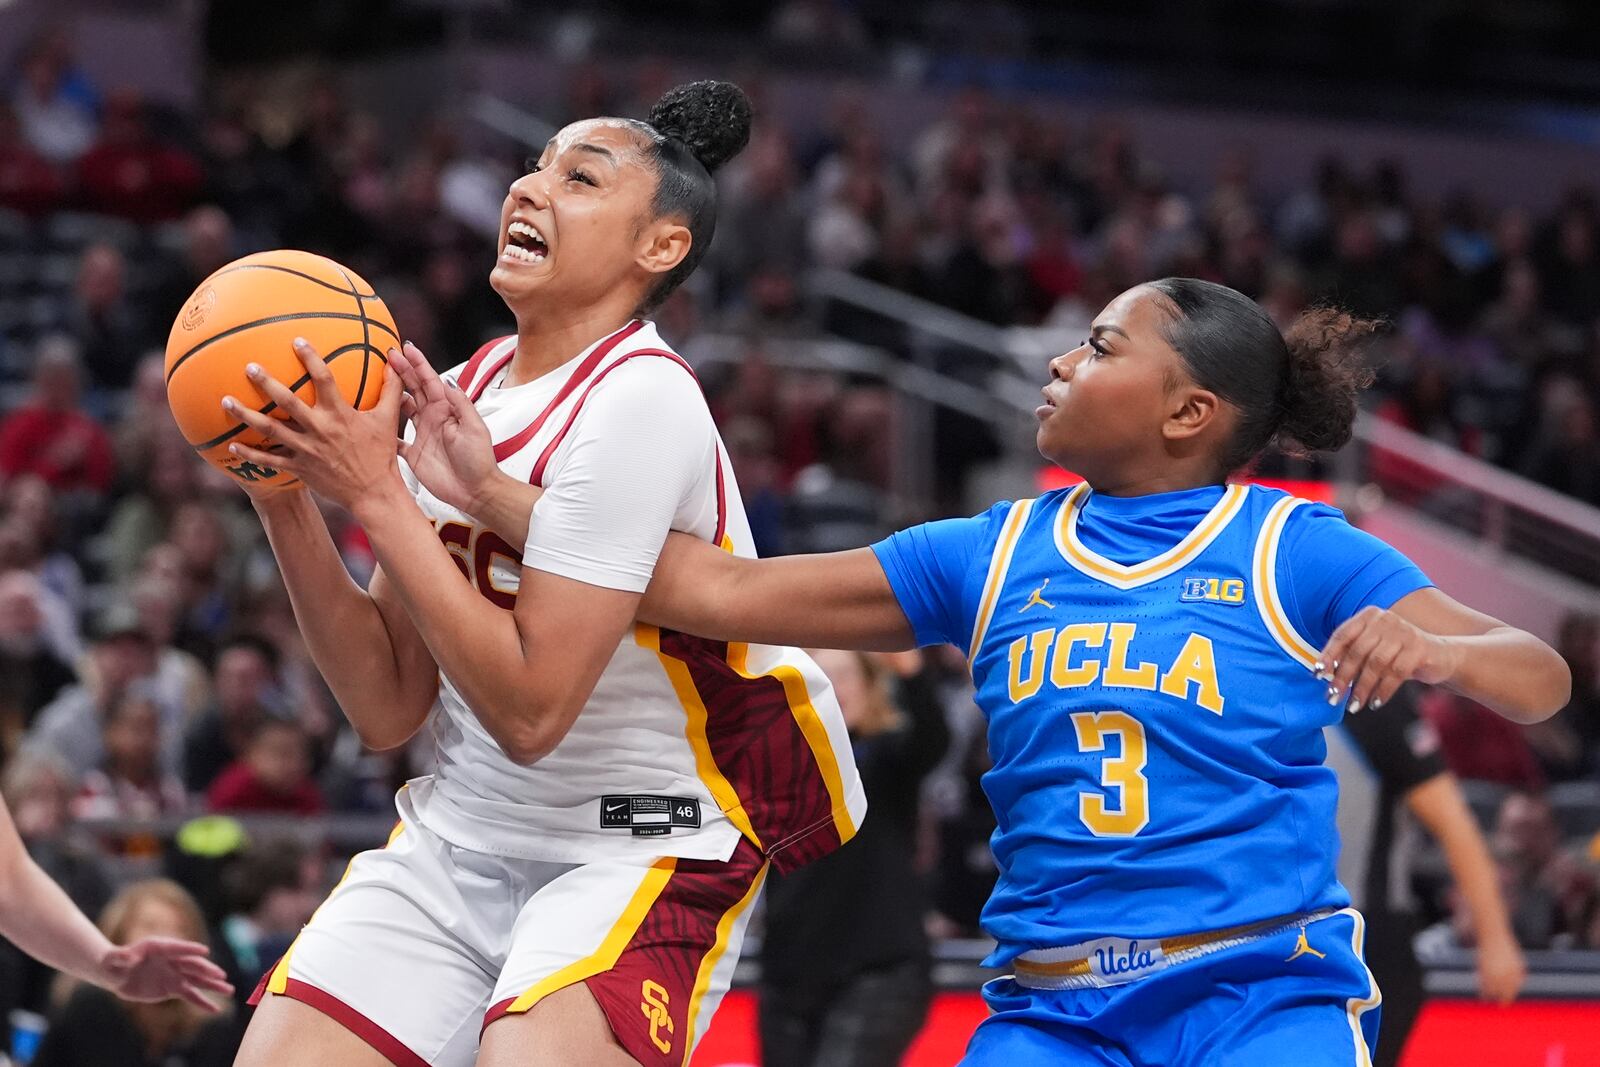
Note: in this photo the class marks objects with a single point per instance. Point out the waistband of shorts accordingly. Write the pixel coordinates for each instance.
(1111, 961)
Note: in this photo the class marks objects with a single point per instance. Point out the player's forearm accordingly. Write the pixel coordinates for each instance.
(41, 920)
(344, 631)
(1511, 672)
(474, 642)
(1439, 806)
(505, 506)
(834, 600)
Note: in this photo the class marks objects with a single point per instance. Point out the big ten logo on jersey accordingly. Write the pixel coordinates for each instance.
(1098, 653)
(1217, 590)
(656, 1008)
(476, 552)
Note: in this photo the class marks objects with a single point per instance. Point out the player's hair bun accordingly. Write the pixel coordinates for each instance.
(711, 118)
(1327, 368)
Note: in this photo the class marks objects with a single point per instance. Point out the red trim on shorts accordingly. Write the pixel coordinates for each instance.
(385, 1043)
(537, 477)
(668, 949)
(511, 445)
(466, 377)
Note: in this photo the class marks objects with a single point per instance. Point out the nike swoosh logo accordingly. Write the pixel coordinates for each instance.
(616, 807)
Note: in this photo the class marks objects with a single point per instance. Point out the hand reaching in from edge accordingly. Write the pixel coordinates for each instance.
(160, 968)
(450, 450)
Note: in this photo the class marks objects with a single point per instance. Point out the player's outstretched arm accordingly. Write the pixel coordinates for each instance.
(42, 921)
(1431, 638)
(837, 600)
(362, 640)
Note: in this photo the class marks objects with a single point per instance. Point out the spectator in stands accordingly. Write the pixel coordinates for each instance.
(32, 672)
(212, 564)
(837, 503)
(95, 1029)
(144, 420)
(749, 444)
(51, 435)
(181, 678)
(71, 727)
(1553, 892)
(245, 693)
(1568, 744)
(132, 175)
(273, 886)
(168, 477)
(46, 543)
(272, 775)
(1566, 451)
(845, 965)
(1475, 747)
(1571, 264)
(208, 243)
(55, 100)
(111, 330)
(29, 183)
(130, 783)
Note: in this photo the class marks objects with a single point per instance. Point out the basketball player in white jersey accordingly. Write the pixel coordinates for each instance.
(573, 881)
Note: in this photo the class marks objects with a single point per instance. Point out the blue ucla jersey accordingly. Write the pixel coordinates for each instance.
(1155, 728)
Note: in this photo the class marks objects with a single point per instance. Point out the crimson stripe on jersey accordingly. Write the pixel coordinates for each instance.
(465, 378)
(537, 476)
(759, 747)
(511, 445)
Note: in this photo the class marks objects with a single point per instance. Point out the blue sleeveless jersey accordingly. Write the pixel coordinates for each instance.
(1154, 724)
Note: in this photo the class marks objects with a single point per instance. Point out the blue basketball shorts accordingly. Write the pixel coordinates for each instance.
(1298, 995)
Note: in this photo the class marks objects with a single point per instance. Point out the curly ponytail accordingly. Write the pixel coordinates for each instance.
(1326, 371)
(1295, 389)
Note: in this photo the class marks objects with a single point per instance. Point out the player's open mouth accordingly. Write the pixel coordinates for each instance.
(524, 244)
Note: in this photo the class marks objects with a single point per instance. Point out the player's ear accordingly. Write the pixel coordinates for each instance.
(1193, 409)
(663, 245)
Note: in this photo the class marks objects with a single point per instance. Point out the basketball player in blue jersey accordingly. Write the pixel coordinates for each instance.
(1157, 652)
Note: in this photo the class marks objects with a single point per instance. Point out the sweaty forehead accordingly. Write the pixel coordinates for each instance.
(618, 137)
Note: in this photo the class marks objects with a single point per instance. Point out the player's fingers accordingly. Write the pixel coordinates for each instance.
(276, 393)
(1376, 671)
(400, 363)
(207, 975)
(408, 406)
(428, 380)
(1334, 653)
(272, 429)
(1401, 671)
(1352, 661)
(389, 396)
(460, 405)
(328, 395)
(194, 996)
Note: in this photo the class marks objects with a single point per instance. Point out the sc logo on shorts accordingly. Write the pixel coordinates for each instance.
(655, 1008)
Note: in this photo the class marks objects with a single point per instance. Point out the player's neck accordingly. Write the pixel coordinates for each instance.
(546, 341)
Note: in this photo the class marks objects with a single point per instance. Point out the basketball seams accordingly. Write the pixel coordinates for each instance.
(366, 339)
(293, 316)
(298, 274)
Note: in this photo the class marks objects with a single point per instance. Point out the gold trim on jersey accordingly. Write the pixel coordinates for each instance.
(1000, 562)
(1264, 570)
(1356, 1007)
(1131, 576)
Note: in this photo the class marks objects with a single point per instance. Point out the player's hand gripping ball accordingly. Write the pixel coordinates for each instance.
(250, 312)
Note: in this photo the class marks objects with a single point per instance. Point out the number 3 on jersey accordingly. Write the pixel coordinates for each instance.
(1122, 774)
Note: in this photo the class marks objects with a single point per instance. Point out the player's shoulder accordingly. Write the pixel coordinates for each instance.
(650, 379)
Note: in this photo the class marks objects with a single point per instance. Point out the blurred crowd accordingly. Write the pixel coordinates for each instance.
(150, 668)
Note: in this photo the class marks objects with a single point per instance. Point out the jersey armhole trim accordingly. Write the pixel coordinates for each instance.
(999, 563)
(470, 381)
(1264, 568)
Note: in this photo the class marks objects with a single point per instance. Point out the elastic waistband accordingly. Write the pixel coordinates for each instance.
(1111, 961)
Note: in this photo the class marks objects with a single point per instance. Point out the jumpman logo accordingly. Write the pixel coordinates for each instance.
(1303, 948)
(1037, 597)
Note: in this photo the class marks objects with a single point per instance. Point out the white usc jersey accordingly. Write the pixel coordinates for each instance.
(685, 744)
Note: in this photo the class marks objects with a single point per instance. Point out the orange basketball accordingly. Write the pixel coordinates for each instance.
(251, 311)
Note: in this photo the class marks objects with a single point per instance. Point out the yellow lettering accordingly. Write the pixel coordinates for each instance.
(1063, 674)
(1037, 647)
(1122, 775)
(1117, 670)
(1233, 591)
(1196, 664)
